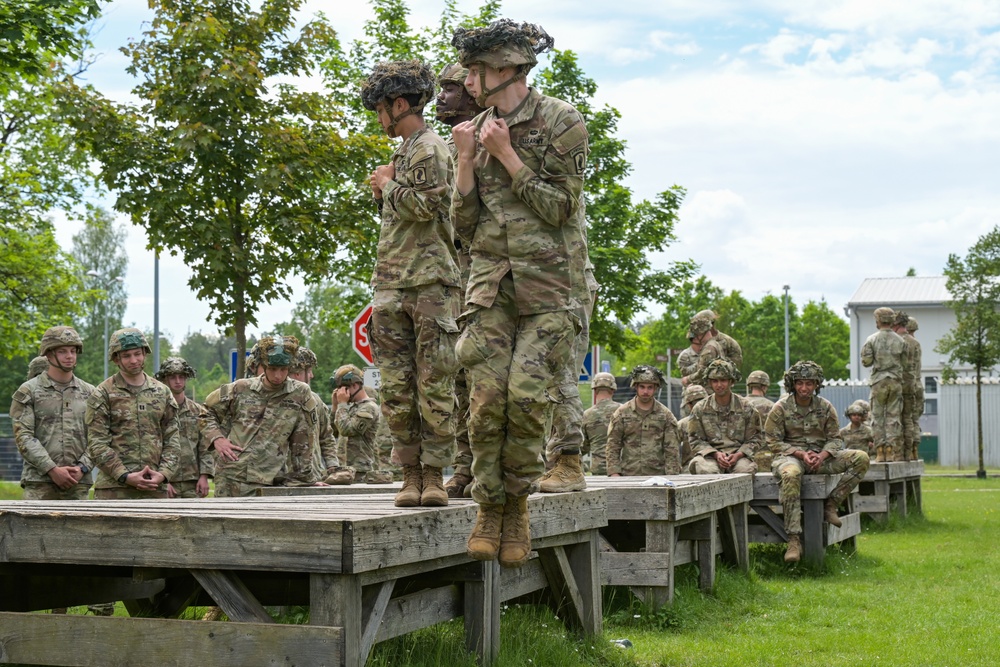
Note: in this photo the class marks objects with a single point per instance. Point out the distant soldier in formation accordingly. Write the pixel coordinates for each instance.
(912, 384)
(596, 420)
(417, 300)
(918, 386)
(324, 448)
(858, 434)
(47, 412)
(802, 431)
(132, 432)
(692, 395)
(883, 351)
(730, 348)
(643, 438)
(271, 420)
(757, 384)
(356, 418)
(196, 463)
(724, 430)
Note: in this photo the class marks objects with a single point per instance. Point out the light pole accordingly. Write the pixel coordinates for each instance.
(108, 282)
(787, 360)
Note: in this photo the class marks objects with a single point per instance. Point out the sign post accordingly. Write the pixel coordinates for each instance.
(359, 335)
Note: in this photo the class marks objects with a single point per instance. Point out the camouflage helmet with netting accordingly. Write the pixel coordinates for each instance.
(911, 325)
(304, 358)
(885, 315)
(453, 73)
(900, 318)
(503, 43)
(59, 337)
(347, 375)
(692, 394)
(278, 351)
(37, 366)
(644, 373)
(758, 377)
(174, 366)
(390, 80)
(253, 361)
(803, 370)
(698, 327)
(706, 314)
(604, 381)
(128, 338)
(723, 369)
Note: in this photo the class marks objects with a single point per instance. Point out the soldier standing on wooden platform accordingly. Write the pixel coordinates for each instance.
(911, 383)
(596, 420)
(357, 418)
(700, 332)
(263, 428)
(918, 386)
(883, 352)
(643, 438)
(196, 464)
(413, 327)
(802, 430)
(132, 434)
(47, 412)
(725, 430)
(757, 384)
(858, 434)
(519, 185)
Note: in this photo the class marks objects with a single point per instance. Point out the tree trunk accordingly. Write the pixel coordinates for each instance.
(981, 472)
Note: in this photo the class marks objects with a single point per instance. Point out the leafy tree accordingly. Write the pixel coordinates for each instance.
(821, 335)
(974, 285)
(763, 337)
(33, 32)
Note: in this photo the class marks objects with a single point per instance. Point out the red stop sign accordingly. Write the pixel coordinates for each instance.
(359, 335)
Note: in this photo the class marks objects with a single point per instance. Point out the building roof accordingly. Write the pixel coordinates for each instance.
(909, 290)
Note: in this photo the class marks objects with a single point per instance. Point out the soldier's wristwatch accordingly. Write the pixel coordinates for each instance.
(123, 477)
(83, 469)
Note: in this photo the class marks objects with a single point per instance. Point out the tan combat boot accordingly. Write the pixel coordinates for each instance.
(433, 493)
(830, 513)
(457, 484)
(901, 453)
(794, 551)
(340, 476)
(515, 540)
(567, 475)
(880, 454)
(484, 541)
(409, 495)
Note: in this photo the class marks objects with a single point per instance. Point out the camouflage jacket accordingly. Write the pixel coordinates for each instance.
(595, 425)
(325, 448)
(862, 438)
(762, 404)
(416, 244)
(682, 428)
(195, 459)
(518, 225)
(813, 428)
(730, 348)
(912, 364)
(883, 351)
(643, 444)
(710, 351)
(357, 423)
(687, 361)
(736, 428)
(276, 429)
(129, 428)
(49, 426)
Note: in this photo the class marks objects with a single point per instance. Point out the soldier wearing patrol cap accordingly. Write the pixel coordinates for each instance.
(519, 203)
(356, 418)
(417, 299)
(36, 367)
(757, 384)
(883, 351)
(196, 463)
(596, 419)
(643, 438)
(263, 428)
(802, 431)
(132, 430)
(725, 431)
(47, 413)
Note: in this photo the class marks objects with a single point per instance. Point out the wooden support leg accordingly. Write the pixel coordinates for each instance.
(482, 613)
(813, 531)
(567, 598)
(335, 600)
(913, 491)
(232, 596)
(584, 563)
(661, 538)
(706, 556)
(375, 600)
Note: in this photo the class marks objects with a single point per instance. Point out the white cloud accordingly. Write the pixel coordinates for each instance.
(674, 44)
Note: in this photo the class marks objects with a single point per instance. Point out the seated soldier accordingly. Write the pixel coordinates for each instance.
(858, 434)
(757, 384)
(596, 419)
(802, 432)
(691, 397)
(643, 438)
(724, 430)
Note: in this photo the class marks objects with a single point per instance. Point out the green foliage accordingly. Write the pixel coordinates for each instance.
(822, 336)
(33, 32)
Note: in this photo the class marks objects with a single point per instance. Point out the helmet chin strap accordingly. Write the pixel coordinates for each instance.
(486, 92)
(391, 130)
(54, 361)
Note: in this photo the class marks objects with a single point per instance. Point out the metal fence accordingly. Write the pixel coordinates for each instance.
(959, 442)
(10, 458)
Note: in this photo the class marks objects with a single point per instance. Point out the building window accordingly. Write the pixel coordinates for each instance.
(930, 406)
(930, 385)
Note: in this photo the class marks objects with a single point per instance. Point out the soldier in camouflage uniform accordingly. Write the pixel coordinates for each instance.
(687, 360)
(196, 463)
(518, 202)
(757, 384)
(132, 431)
(730, 348)
(252, 367)
(912, 380)
(725, 431)
(324, 448)
(47, 412)
(413, 328)
(357, 418)
(263, 428)
(883, 352)
(700, 332)
(643, 438)
(691, 396)
(802, 432)
(36, 367)
(596, 420)
(858, 434)
(916, 360)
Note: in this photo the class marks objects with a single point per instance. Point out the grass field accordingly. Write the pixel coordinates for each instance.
(924, 591)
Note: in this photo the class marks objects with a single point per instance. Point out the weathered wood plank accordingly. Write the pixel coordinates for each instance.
(689, 495)
(376, 600)
(523, 580)
(31, 592)
(420, 610)
(232, 596)
(335, 600)
(629, 568)
(766, 486)
(481, 609)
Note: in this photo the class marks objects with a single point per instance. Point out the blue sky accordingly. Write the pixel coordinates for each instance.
(820, 142)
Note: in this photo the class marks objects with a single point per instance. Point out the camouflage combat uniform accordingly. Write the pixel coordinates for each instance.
(731, 350)
(913, 395)
(129, 428)
(358, 425)
(195, 459)
(859, 438)
(417, 300)
(276, 430)
(814, 428)
(521, 327)
(687, 361)
(762, 404)
(643, 444)
(730, 429)
(49, 430)
(883, 351)
(596, 420)
(710, 351)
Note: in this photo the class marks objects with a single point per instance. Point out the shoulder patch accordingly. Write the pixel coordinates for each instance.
(21, 396)
(572, 138)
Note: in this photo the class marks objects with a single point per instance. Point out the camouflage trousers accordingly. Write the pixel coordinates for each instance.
(887, 413)
(128, 493)
(853, 463)
(226, 487)
(185, 489)
(918, 411)
(514, 364)
(463, 452)
(566, 431)
(700, 465)
(47, 491)
(413, 335)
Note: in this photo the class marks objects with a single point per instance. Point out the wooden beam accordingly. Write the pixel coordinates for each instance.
(481, 609)
(335, 600)
(232, 596)
(376, 599)
(564, 587)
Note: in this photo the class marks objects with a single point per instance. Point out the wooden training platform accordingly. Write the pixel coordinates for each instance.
(653, 529)
(767, 524)
(888, 487)
(340, 490)
(367, 570)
